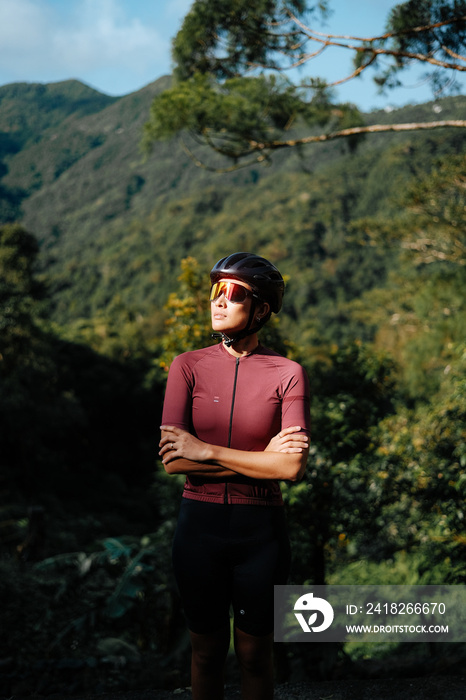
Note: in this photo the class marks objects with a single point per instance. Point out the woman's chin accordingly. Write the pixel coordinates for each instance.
(222, 328)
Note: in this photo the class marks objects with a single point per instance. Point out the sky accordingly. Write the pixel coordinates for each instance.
(119, 46)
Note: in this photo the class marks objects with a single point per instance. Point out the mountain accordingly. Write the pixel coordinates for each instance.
(114, 223)
(28, 109)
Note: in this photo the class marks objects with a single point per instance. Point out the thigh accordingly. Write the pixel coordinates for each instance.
(200, 566)
(263, 561)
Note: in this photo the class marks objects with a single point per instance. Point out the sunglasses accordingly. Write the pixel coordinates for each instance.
(232, 291)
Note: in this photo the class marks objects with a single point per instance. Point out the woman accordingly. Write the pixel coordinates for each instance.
(235, 421)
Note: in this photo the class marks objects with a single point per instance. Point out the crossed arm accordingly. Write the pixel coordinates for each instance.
(284, 457)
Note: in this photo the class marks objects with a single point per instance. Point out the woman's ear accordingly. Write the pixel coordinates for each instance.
(263, 310)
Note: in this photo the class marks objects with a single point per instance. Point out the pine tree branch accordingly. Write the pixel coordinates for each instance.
(355, 131)
(388, 35)
(261, 150)
(331, 40)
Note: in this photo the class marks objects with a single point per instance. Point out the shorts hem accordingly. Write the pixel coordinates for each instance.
(253, 633)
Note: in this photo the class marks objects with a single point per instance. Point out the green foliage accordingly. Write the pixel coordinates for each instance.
(387, 503)
(243, 115)
(432, 216)
(224, 38)
(351, 392)
(18, 289)
(226, 55)
(28, 108)
(420, 315)
(18, 254)
(105, 611)
(77, 438)
(438, 203)
(67, 413)
(425, 456)
(188, 325)
(104, 222)
(444, 43)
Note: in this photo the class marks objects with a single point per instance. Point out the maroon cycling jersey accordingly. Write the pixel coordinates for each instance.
(239, 403)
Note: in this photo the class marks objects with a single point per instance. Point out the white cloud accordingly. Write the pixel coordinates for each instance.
(102, 35)
(24, 28)
(87, 39)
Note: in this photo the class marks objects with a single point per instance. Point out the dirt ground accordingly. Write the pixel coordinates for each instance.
(425, 688)
(433, 676)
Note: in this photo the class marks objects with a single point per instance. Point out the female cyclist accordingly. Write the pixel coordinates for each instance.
(235, 421)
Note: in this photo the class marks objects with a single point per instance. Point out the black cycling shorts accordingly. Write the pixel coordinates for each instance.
(230, 555)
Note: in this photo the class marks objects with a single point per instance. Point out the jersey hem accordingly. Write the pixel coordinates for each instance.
(232, 499)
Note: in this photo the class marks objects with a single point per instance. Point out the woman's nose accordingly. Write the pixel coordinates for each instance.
(220, 300)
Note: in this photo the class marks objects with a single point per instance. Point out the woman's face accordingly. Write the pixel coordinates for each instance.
(230, 317)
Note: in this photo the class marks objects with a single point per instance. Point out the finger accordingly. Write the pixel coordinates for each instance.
(290, 430)
(297, 440)
(295, 447)
(170, 429)
(169, 456)
(166, 445)
(166, 440)
(168, 452)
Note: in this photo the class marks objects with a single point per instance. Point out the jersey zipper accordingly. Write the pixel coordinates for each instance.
(230, 427)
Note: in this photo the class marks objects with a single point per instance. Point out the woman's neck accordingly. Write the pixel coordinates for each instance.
(244, 346)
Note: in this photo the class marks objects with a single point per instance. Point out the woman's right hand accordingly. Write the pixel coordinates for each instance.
(180, 444)
(290, 440)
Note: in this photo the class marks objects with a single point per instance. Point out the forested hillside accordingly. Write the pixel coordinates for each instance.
(104, 255)
(114, 223)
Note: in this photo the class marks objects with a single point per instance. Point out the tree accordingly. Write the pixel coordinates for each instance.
(418, 482)
(351, 391)
(66, 411)
(420, 314)
(438, 205)
(231, 94)
(188, 321)
(19, 290)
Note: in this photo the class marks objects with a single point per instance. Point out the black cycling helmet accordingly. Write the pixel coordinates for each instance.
(258, 272)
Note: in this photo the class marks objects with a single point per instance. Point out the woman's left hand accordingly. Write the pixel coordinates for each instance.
(289, 440)
(179, 444)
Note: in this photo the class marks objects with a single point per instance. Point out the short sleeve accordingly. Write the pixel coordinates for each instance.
(177, 405)
(296, 401)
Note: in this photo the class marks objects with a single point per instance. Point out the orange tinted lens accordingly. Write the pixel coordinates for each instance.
(231, 291)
